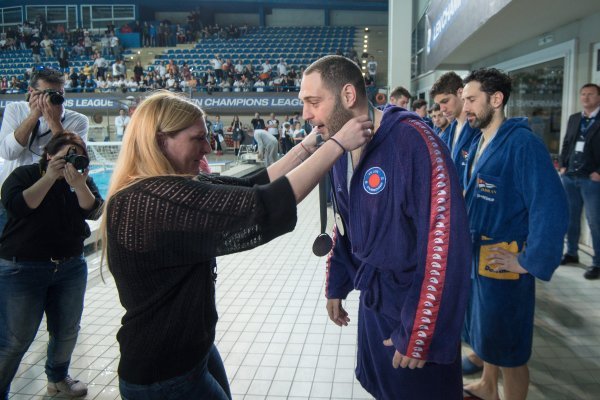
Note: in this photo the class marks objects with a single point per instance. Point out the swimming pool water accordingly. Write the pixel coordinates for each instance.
(101, 178)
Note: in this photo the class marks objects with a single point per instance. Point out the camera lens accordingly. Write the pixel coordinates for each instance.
(56, 98)
(80, 162)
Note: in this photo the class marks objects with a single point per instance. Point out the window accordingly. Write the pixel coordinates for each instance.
(97, 16)
(537, 94)
(10, 17)
(53, 15)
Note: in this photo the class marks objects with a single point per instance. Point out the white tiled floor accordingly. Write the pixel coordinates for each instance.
(277, 343)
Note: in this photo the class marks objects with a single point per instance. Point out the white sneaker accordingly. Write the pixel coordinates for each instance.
(68, 387)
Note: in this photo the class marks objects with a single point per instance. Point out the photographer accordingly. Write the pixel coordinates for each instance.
(42, 268)
(29, 125)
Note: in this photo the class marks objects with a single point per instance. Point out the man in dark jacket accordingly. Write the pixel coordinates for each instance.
(580, 170)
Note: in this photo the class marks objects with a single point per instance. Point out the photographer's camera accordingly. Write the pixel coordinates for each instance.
(79, 161)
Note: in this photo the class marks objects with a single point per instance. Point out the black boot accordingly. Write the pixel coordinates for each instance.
(237, 151)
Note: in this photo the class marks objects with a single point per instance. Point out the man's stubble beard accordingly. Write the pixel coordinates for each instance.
(485, 120)
(338, 118)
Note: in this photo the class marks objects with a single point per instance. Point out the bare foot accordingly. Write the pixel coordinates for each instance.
(480, 390)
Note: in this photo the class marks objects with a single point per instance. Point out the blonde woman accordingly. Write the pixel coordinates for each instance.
(163, 226)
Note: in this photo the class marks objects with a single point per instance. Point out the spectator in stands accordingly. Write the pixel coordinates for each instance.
(172, 68)
(105, 45)
(115, 47)
(118, 68)
(266, 68)
(47, 203)
(90, 85)
(77, 50)
(62, 57)
(239, 69)
(180, 32)
(225, 85)
(161, 69)
(73, 78)
(102, 85)
(113, 83)
(186, 74)
(152, 35)
(138, 71)
(282, 67)
(400, 97)
(3, 85)
(170, 81)
(125, 28)
(87, 43)
(100, 66)
(35, 52)
(217, 65)
(238, 85)
(87, 70)
(47, 44)
(132, 85)
(14, 86)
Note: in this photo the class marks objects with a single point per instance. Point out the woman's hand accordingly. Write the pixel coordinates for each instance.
(355, 133)
(55, 168)
(74, 178)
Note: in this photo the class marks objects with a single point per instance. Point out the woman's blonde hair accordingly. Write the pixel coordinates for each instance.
(159, 115)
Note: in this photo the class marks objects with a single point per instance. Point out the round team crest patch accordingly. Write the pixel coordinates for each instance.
(374, 180)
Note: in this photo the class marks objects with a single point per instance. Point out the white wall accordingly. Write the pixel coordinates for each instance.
(295, 17)
(354, 18)
(237, 19)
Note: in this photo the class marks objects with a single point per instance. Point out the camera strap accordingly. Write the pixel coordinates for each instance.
(35, 133)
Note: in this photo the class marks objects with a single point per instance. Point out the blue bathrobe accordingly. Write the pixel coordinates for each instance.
(460, 151)
(514, 199)
(405, 245)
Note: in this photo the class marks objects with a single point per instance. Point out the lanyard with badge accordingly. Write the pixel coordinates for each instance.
(584, 126)
(323, 243)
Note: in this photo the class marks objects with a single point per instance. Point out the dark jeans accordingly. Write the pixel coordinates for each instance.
(207, 380)
(582, 191)
(27, 291)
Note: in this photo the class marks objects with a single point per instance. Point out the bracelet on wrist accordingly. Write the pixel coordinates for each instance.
(305, 149)
(338, 143)
(298, 156)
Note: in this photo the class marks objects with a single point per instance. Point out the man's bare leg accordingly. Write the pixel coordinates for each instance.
(515, 382)
(487, 387)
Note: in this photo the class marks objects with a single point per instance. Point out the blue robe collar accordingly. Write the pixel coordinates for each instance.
(504, 132)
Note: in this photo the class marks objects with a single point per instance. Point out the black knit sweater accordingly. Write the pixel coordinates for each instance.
(56, 228)
(163, 233)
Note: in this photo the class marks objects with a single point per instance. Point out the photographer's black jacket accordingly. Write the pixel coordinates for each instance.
(57, 228)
